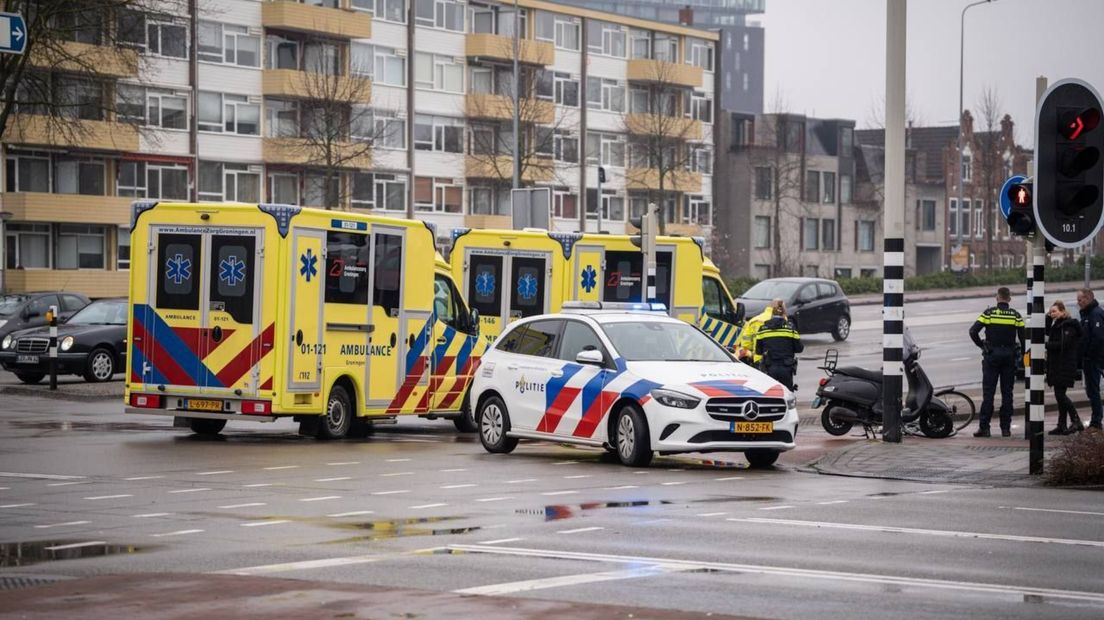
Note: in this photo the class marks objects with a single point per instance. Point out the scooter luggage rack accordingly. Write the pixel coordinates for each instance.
(831, 359)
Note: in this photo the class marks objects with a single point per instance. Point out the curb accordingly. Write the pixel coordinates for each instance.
(968, 293)
(59, 394)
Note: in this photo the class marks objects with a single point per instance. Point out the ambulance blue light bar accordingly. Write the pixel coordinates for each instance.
(578, 306)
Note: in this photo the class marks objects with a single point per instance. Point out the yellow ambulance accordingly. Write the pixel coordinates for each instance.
(508, 274)
(256, 312)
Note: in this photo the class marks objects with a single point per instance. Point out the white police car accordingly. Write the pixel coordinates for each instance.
(631, 381)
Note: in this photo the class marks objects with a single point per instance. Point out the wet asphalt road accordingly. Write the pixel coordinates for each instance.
(416, 506)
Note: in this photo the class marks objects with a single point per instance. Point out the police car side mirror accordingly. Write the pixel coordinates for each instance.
(592, 357)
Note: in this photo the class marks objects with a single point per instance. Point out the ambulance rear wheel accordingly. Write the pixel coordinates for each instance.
(201, 426)
(465, 422)
(338, 416)
(494, 424)
(633, 441)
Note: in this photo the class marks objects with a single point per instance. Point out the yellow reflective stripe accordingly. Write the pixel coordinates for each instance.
(1001, 320)
(778, 333)
(983, 319)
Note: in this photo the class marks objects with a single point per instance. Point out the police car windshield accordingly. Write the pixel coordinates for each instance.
(771, 289)
(654, 341)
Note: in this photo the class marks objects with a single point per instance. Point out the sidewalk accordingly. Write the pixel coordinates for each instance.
(970, 293)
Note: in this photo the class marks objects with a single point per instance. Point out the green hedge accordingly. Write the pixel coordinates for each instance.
(947, 280)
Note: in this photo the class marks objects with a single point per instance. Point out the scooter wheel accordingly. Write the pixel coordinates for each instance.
(936, 424)
(834, 427)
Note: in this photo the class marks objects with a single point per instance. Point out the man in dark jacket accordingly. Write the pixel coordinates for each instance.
(1003, 328)
(1092, 350)
(779, 343)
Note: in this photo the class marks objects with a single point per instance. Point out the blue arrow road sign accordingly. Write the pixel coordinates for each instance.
(13, 33)
(1005, 203)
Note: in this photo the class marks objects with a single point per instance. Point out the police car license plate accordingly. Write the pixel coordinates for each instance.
(751, 427)
(203, 405)
(26, 359)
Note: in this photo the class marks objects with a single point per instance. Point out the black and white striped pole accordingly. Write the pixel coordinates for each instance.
(1036, 383)
(893, 257)
(51, 320)
(1030, 303)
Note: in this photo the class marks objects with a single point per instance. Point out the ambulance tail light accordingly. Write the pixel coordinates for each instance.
(145, 401)
(256, 407)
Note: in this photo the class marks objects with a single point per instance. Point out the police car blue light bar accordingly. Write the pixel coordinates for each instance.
(570, 306)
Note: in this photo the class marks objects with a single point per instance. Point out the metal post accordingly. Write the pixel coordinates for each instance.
(961, 145)
(599, 211)
(893, 258)
(1088, 261)
(517, 90)
(650, 228)
(1038, 357)
(1030, 303)
(51, 320)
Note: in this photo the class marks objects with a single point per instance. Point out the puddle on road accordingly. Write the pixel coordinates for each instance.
(401, 528)
(736, 498)
(27, 553)
(87, 426)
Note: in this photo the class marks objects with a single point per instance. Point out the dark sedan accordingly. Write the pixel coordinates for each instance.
(91, 343)
(814, 304)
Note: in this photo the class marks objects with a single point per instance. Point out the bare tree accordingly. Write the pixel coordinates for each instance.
(989, 161)
(659, 131)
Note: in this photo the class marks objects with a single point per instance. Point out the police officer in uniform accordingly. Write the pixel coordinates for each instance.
(745, 345)
(1003, 328)
(778, 343)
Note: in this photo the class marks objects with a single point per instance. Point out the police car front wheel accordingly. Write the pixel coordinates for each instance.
(631, 437)
(761, 459)
(494, 424)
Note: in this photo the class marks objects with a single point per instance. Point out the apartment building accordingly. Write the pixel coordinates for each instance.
(402, 107)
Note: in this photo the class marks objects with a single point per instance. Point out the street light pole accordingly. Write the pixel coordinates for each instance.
(893, 227)
(517, 99)
(961, 146)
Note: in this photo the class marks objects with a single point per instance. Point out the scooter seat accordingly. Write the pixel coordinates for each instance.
(860, 373)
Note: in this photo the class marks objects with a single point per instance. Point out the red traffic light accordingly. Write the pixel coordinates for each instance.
(1074, 124)
(1021, 218)
(1021, 195)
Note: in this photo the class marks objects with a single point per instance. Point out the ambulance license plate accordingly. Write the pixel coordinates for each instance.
(751, 427)
(203, 405)
(26, 359)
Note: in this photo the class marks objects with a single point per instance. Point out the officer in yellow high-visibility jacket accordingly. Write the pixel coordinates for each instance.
(745, 346)
(779, 343)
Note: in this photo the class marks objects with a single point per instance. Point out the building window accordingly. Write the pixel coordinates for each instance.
(219, 112)
(122, 248)
(761, 272)
(28, 174)
(443, 14)
(79, 176)
(613, 206)
(699, 107)
(810, 237)
(762, 231)
(386, 10)
(605, 94)
(965, 171)
(151, 107)
(564, 205)
(864, 236)
(564, 31)
(697, 210)
(845, 189)
(385, 192)
(380, 64)
(167, 39)
(812, 186)
(438, 133)
(558, 87)
(829, 188)
(842, 273)
(383, 128)
(847, 141)
(147, 180)
(979, 218)
(82, 99)
(960, 219)
(828, 236)
(701, 158)
(228, 44)
(438, 194)
(283, 188)
(764, 183)
(488, 200)
(926, 214)
(699, 53)
(605, 149)
(220, 182)
(27, 246)
(606, 38)
(80, 246)
(321, 190)
(440, 73)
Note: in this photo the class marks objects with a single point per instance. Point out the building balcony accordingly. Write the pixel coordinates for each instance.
(38, 130)
(500, 48)
(673, 229)
(501, 168)
(501, 107)
(666, 73)
(682, 181)
(291, 15)
(676, 127)
(301, 152)
(304, 85)
(493, 222)
(113, 62)
(67, 208)
(95, 283)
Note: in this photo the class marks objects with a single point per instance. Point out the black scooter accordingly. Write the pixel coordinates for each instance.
(852, 395)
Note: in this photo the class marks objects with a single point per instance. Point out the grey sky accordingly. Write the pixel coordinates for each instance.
(827, 58)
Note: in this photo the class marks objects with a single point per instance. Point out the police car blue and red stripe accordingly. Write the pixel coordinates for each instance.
(632, 380)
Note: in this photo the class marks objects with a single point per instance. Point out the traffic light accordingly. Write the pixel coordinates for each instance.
(1021, 217)
(1069, 172)
(649, 229)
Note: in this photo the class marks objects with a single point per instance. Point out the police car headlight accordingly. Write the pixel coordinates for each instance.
(67, 343)
(791, 402)
(679, 400)
(7, 344)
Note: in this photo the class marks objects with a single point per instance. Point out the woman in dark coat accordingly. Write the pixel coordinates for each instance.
(1063, 352)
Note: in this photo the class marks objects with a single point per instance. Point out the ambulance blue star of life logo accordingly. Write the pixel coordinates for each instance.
(527, 286)
(590, 279)
(485, 284)
(308, 265)
(232, 270)
(178, 269)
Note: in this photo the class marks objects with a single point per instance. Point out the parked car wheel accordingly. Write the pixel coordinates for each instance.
(633, 442)
(494, 424)
(30, 378)
(100, 366)
(842, 328)
(760, 458)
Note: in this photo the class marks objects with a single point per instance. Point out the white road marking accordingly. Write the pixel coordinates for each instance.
(775, 507)
(424, 506)
(835, 501)
(924, 532)
(492, 499)
(336, 463)
(76, 545)
(260, 484)
(675, 469)
(624, 486)
(499, 541)
(5, 488)
(565, 463)
(560, 493)
(641, 471)
(520, 480)
(961, 359)
(712, 514)
(396, 460)
(397, 473)
(264, 523)
(17, 505)
(10, 474)
(249, 505)
(457, 486)
(902, 582)
(355, 513)
(726, 478)
(66, 524)
(529, 585)
(320, 499)
(305, 565)
(650, 521)
(279, 467)
(1069, 512)
(214, 473)
(337, 479)
(176, 533)
(196, 490)
(133, 478)
(391, 492)
(672, 483)
(67, 484)
(580, 530)
(150, 515)
(99, 497)
(454, 469)
(936, 492)
(577, 477)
